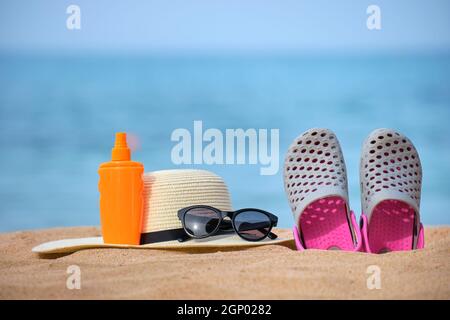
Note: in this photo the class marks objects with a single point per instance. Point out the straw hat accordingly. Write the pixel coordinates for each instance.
(165, 192)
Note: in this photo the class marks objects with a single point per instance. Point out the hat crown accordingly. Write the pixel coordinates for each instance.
(167, 191)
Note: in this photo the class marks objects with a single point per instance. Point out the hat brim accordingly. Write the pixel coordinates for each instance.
(220, 241)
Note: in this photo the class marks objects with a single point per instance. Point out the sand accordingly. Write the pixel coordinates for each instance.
(269, 272)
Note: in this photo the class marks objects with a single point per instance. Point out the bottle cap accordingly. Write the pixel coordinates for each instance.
(121, 152)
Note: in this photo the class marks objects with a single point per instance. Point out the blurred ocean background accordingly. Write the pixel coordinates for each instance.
(58, 116)
(59, 109)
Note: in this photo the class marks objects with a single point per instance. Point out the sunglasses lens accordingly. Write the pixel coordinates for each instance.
(201, 222)
(252, 225)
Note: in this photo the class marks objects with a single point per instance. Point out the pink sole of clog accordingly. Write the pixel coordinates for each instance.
(391, 228)
(325, 226)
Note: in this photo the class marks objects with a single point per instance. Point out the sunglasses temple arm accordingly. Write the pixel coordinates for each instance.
(183, 238)
(272, 236)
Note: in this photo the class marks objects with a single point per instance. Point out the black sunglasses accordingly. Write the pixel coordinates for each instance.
(250, 224)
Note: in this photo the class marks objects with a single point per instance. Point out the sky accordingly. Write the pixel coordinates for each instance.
(224, 25)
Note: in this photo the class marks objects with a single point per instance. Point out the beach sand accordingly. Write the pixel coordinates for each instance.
(269, 272)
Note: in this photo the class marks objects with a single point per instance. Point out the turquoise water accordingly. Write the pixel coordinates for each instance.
(58, 115)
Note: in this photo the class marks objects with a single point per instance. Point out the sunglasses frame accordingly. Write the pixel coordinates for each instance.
(224, 214)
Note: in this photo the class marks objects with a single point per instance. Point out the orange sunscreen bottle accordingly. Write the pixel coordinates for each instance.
(121, 195)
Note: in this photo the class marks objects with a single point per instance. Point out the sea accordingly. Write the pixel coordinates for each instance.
(59, 114)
